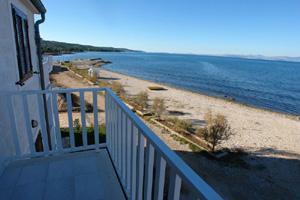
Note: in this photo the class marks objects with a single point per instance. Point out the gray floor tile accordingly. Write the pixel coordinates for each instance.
(84, 165)
(30, 191)
(88, 187)
(9, 177)
(96, 187)
(5, 194)
(60, 169)
(61, 189)
(33, 173)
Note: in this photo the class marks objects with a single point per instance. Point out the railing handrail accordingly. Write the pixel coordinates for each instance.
(186, 173)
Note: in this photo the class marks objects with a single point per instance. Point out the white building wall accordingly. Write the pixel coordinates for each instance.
(9, 75)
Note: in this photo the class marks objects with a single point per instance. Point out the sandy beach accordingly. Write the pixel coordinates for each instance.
(258, 131)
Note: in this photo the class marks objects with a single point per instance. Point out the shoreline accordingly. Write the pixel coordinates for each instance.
(256, 130)
(287, 115)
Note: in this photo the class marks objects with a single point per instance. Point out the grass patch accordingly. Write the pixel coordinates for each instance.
(182, 141)
(179, 125)
(179, 139)
(194, 148)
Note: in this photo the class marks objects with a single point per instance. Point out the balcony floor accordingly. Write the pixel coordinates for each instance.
(81, 175)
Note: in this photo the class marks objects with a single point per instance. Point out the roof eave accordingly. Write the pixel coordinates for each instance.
(39, 6)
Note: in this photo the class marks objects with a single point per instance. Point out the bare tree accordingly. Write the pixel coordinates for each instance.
(217, 129)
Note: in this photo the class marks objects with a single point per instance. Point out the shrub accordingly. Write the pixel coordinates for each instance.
(180, 124)
(65, 132)
(216, 130)
(141, 100)
(158, 106)
(118, 88)
(76, 125)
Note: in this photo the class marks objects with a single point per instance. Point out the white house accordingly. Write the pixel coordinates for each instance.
(21, 66)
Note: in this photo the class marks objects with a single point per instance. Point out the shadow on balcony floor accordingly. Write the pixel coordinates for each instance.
(84, 175)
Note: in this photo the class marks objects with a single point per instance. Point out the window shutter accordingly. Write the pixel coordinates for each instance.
(15, 21)
(22, 43)
(27, 47)
(20, 36)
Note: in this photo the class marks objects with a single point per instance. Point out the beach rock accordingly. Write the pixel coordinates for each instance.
(229, 98)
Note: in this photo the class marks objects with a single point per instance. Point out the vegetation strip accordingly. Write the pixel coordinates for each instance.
(177, 134)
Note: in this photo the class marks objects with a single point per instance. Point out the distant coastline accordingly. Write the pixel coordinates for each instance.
(60, 48)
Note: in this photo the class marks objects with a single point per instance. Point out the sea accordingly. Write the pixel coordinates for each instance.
(267, 84)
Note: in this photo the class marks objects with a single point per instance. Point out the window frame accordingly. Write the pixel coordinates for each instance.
(22, 42)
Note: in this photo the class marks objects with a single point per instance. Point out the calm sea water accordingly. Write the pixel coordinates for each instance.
(273, 85)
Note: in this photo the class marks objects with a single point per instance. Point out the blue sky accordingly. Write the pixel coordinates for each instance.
(266, 27)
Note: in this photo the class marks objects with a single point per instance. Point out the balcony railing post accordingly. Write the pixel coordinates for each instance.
(117, 139)
(96, 126)
(174, 186)
(149, 171)
(83, 121)
(140, 165)
(128, 153)
(114, 132)
(43, 124)
(57, 124)
(70, 120)
(107, 121)
(133, 160)
(159, 178)
(28, 124)
(123, 132)
(13, 126)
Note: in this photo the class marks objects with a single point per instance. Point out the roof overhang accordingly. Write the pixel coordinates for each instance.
(39, 5)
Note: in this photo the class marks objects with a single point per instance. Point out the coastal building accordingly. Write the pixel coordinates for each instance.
(21, 67)
(123, 160)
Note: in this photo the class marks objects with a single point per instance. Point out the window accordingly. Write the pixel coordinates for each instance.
(22, 44)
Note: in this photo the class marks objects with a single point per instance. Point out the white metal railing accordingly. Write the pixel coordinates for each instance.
(146, 166)
(48, 66)
(23, 106)
(144, 163)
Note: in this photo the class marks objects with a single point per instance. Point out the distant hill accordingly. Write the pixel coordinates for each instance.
(274, 58)
(54, 47)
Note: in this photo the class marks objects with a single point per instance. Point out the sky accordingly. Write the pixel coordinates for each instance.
(215, 27)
